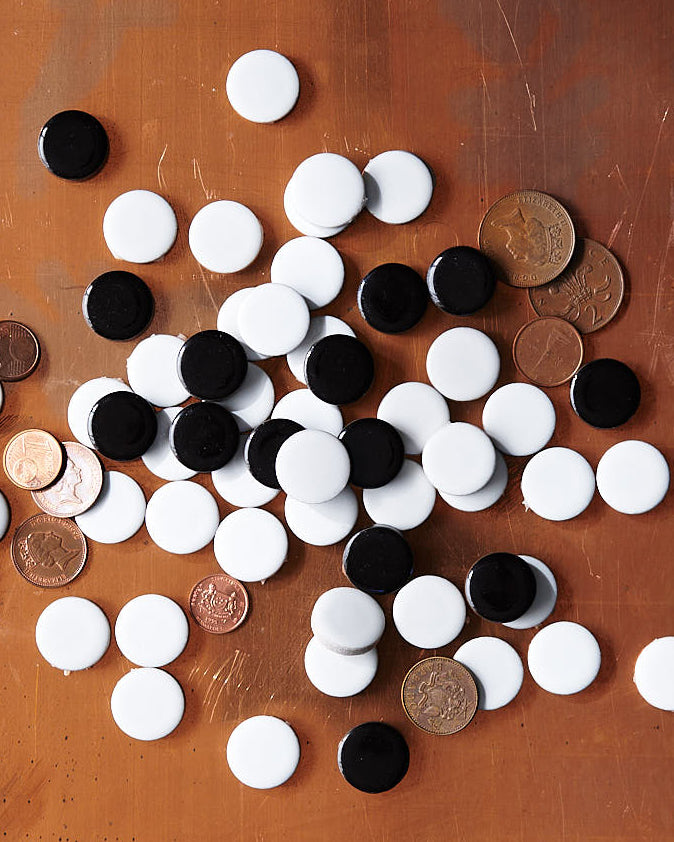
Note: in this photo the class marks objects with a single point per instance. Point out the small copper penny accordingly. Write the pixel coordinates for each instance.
(49, 551)
(529, 236)
(219, 603)
(79, 486)
(588, 293)
(439, 695)
(33, 459)
(548, 351)
(19, 351)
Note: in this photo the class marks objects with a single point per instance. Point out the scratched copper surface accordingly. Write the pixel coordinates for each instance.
(571, 98)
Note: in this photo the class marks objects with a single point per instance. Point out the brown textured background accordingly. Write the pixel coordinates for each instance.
(569, 97)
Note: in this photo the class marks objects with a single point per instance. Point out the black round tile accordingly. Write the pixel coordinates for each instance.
(263, 445)
(118, 305)
(373, 757)
(378, 560)
(204, 436)
(122, 426)
(212, 364)
(392, 298)
(376, 451)
(339, 369)
(73, 145)
(461, 280)
(501, 587)
(605, 393)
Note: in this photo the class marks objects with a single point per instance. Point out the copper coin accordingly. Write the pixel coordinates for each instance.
(439, 695)
(588, 293)
(79, 486)
(548, 351)
(530, 237)
(218, 603)
(33, 459)
(49, 551)
(19, 351)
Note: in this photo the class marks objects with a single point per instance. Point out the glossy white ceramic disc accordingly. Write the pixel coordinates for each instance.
(484, 497)
(312, 466)
(429, 612)
(544, 601)
(118, 512)
(398, 185)
(72, 633)
(5, 515)
(322, 524)
(251, 545)
(319, 326)
(654, 673)
(303, 406)
(564, 658)
(557, 483)
(496, 668)
(347, 621)
(159, 459)
(339, 675)
(82, 402)
(632, 477)
(182, 517)
(459, 458)
(304, 226)
(147, 703)
(139, 226)
(225, 236)
(151, 630)
(463, 364)
(405, 502)
(519, 418)
(327, 189)
(235, 483)
(152, 369)
(416, 410)
(263, 752)
(262, 86)
(273, 319)
(228, 320)
(253, 401)
(311, 267)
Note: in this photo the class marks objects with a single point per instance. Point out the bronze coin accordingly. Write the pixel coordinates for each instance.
(529, 236)
(49, 551)
(19, 351)
(33, 459)
(439, 695)
(588, 293)
(548, 351)
(218, 603)
(78, 488)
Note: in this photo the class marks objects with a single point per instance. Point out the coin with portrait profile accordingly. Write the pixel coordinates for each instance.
(439, 695)
(49, 551)
(78, 488)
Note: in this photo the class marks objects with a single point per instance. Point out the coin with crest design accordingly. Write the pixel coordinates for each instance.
(439, 695)
(219, 603)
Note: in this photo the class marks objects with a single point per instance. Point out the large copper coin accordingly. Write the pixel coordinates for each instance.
(33, 459)
(49, 551)
(529, 236)
(79, 486)
(218, 603)
(439, 695)
(548, 351)
(589, 291)
(19, 351)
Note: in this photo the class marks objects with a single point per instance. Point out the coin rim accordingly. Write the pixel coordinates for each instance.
(557, 382)
(9, 444)
(231, 579)
(36, 492)
(402, 694)
(37, 356)
(77, 533)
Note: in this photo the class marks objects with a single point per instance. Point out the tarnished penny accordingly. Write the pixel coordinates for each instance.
(49, 551)
(548, 351)
(19, 351)
(439, 695)
(529, 236)
(588, 293)
(218, 603)
(33, 459)
(79, 486)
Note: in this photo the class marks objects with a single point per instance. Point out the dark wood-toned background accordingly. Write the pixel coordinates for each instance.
(570, 97)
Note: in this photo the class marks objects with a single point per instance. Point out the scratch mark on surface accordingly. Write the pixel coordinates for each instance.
(616, 229)
(208, 289)
(37, 684)
(561, 804)
(532, 97)
(661, 276)
(196, 169)
(160, 177)
(616, 170)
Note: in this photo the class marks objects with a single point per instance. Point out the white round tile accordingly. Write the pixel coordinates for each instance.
(463, 364)
(398, 185)
(160, 459)
(151, 630)
(182, 517)
(5, 515)
(273, 319)
(251, 545)
(253, 401)
(309, 229)
(404, 503)
(484, 497)
(82, 402)
(72, 633)
(263, 752)
(557, 483)
(519, 418)
(496, 668)
(312, 466)
(347, 621)
(632, 477)
(303, 406)
(228, 320)
(327, 189)
(319, 327)
(147, 704)
(544, 601)
(564, 658)
(262, 86)
(459, 458)
(235, 483)
(311, 267)
(429, 612)
(339, 675)
(322, 524)
(139, 226)
(225, 236)
(118, 512)
(152, 369)
(416, 410)
(654, 673)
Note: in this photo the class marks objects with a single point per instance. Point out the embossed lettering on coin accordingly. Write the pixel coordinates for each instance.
(49, 551)
(33, 459)
(219, 603)
(548, 351)
(439, 695)
(19, 351)
(78, 488)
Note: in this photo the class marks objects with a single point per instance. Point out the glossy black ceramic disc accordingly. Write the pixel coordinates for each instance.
(605, 393)
(212, 364)
(392, 298)
(378, 560)
(339, 369)
(460, 280)
(501, 587)
(118, 305)
(122, 426)
(262, 447)
(73, 145)
(376, 452)
(204, 436)
(373, 757)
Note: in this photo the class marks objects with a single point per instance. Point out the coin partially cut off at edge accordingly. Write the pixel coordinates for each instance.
(439, 695)
(219, 603)
(33, 459)
(19, 351)
(78, 488)
(49, 551)
(548, 351)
